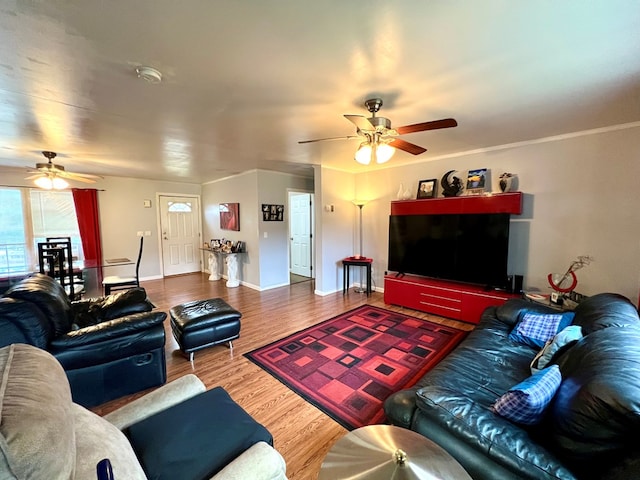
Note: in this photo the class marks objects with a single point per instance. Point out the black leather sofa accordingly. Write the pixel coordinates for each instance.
(589, 430)
(109, 346)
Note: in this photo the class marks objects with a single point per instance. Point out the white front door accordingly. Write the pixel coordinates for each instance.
(179, 227)
(300, 205)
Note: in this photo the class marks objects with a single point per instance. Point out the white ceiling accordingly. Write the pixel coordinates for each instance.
(245, 80)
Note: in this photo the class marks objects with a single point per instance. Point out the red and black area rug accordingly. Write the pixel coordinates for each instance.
(348, 365)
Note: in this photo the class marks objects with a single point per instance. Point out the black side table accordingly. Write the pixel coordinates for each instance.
(349, 262)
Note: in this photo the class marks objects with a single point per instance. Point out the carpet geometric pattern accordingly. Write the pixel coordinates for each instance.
(348, 365)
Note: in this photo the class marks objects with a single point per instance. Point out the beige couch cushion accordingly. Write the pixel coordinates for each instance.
(98, 439)
(37, 437)
(40, 426)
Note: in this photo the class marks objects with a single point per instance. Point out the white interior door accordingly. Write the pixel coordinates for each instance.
(300, 238)
(179, 227)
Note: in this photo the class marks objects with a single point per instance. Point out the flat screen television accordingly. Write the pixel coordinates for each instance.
(470, 248)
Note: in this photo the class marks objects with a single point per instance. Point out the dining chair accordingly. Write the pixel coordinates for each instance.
(113, 283)
(72, 280)
(53, 261)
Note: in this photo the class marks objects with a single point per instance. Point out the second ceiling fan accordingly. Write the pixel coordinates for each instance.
(379, 139)
(51, 176)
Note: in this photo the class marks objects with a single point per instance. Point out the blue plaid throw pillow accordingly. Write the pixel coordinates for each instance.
(535, 329)
(526, 402)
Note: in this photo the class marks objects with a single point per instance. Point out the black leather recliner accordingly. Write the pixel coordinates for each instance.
(109, 346)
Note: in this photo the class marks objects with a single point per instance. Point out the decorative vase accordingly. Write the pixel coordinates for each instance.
(407, 194)
(400, 193)
(506, 182)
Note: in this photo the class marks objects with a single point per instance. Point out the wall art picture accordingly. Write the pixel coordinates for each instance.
(476, 180)
(427, 188)
(272, 213)
(230, 216)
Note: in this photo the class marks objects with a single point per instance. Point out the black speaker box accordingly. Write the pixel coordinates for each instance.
(517, 283)
(509, 284)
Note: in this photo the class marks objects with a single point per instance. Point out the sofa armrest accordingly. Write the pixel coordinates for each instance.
(96, 310)
(510, 311)
(259, 462)
(160, 399)
(119, 327)
(400, 408)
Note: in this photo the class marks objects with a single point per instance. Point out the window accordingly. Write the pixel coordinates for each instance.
(29, 216)
(179, 207)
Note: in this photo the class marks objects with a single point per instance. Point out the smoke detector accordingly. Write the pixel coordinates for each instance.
(149, 74)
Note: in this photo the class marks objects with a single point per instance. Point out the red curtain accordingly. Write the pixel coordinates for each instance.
(86, 202)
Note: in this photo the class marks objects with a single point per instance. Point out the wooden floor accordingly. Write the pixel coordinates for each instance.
(302, 433)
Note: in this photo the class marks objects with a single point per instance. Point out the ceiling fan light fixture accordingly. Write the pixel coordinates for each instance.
(44, 182)
(363, 154)
(49, 183)
(383, 153)
(59, 183)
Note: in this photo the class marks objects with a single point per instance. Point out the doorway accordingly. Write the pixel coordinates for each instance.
(180, 234)
(300, 236)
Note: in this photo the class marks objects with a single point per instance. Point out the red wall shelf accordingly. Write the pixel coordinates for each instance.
(490, 203)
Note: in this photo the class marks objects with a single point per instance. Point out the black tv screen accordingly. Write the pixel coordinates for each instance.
(470, 248)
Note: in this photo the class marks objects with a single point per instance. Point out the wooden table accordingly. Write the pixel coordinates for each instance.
(349, 262)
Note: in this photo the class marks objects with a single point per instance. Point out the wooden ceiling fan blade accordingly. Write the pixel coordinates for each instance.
(361, 122)
(433, 125)
(407, 147)
(350, 137)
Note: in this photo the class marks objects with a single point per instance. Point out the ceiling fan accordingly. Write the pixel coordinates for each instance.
(51, 176)
(379, 140)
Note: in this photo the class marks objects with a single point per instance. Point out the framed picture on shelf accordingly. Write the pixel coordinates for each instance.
(427, 188)
(476, 180)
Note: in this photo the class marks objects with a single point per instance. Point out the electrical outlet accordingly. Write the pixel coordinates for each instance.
(140, 233)
(147, 233)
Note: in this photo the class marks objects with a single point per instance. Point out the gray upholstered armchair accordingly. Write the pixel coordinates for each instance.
(45, 435)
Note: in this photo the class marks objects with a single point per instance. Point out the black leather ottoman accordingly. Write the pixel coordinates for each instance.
(203, 323)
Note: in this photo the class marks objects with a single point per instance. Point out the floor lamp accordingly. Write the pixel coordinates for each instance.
(360, 204)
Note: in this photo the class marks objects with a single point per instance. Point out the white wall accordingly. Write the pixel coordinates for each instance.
(265, 265)
(581, 198)
(123, 214)
(273, 237)
(242, 189)
(335, 230)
